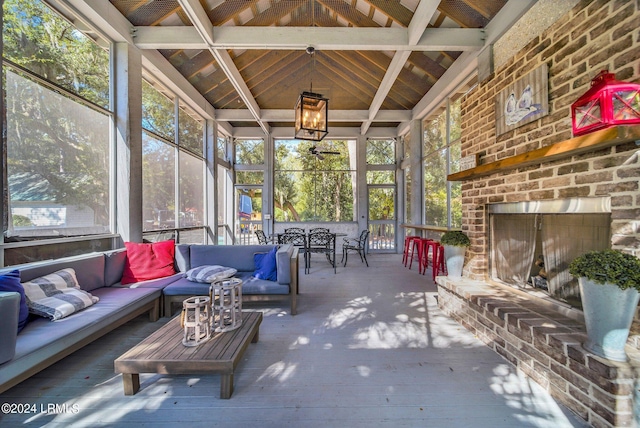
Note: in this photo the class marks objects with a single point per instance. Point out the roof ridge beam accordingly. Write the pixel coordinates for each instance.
(321, 38)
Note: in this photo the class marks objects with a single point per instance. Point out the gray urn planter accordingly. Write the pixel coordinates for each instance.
(454, 258)
(608, 314)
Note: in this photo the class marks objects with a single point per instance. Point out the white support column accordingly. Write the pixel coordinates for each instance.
(417, 180)
(128, 126)
(268, 184)
(362, 203)
(210, 177)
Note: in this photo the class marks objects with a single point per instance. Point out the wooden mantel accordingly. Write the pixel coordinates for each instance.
(586, 143)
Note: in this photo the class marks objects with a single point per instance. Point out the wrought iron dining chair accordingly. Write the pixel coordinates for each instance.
(297, 239)
(319, 229)
(294, 230)
(262, 238)
(323, 243)
(356, 244)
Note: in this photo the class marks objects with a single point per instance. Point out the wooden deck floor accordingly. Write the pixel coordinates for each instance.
(368, 348)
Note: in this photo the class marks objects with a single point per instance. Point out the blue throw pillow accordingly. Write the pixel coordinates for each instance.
(266, 267)
(11, 282)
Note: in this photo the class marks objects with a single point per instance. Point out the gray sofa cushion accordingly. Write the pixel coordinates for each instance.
(89, 269)
(114, 266)
(239, 257)
(158, 284)
(184, 287)
(250, 285)
(9, 308)
(40, 334)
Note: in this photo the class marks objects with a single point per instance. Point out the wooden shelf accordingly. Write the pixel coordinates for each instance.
(586, 143)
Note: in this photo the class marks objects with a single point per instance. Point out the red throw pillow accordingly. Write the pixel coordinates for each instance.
(148, 261)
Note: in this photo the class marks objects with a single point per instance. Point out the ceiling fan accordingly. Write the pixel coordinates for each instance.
(319, 153)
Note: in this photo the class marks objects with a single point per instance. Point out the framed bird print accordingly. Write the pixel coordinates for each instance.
(524, 101)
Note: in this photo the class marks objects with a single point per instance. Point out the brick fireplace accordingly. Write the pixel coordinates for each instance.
(543, 337)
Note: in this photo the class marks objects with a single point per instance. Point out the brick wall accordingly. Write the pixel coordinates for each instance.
(539, 340)
(593, 36)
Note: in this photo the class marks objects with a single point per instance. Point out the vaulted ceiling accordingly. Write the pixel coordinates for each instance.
(380, 62)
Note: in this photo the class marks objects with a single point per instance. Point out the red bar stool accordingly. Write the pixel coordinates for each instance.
(418, 247)
(408, 240)
(439, 266)
(432, 245)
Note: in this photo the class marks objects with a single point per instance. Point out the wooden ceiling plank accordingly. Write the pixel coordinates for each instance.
(281, 67)
(269, 17)
(486, 8)
(227, 11)
(462, 14)
(349, 13)
(150, 14)
(196, 64)
(426, 64)
(394, 10)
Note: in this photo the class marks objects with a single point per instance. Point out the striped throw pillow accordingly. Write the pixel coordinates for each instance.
(209, 273)
(57, 295)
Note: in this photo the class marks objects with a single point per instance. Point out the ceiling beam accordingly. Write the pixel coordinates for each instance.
(200, 20)
(322, 38)
(282, 115)
(424, 12)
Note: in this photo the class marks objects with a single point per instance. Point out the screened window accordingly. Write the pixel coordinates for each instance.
(191, 184)
(38, 39)
(221, 148)
(158, 183)
(381, 152)
(57, 126)
(158, 112)
(441, 133)
(191, 126)
(311, 187)
(249, 152)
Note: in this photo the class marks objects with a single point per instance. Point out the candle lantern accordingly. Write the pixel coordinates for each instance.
(226, 298)
(196, 320)
(607, 103)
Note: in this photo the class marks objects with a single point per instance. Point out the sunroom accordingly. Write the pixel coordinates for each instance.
(147, 121)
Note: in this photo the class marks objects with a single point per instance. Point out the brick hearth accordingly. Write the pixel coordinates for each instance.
(545, 344)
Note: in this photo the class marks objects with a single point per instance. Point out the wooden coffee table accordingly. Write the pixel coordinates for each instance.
(163, 353)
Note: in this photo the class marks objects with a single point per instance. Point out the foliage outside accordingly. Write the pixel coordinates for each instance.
(608, 266)
(455, 238)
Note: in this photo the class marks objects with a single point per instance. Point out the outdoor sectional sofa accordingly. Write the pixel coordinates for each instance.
(43, 342)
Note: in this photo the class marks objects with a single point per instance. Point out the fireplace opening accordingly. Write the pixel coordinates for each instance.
(533, 243)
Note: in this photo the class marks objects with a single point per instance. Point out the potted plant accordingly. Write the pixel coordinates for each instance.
(609, 288)
(455, 243)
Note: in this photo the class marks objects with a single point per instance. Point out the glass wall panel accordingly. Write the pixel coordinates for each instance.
(249, 152)
(191, 190)
(191, 126)
(311, 187)
(221, 148)
(381, 152)
(381, 177)
(158, 183)
(38, 39)
(158, 112)
(57, 162)
(435, 188)
(250, 177)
